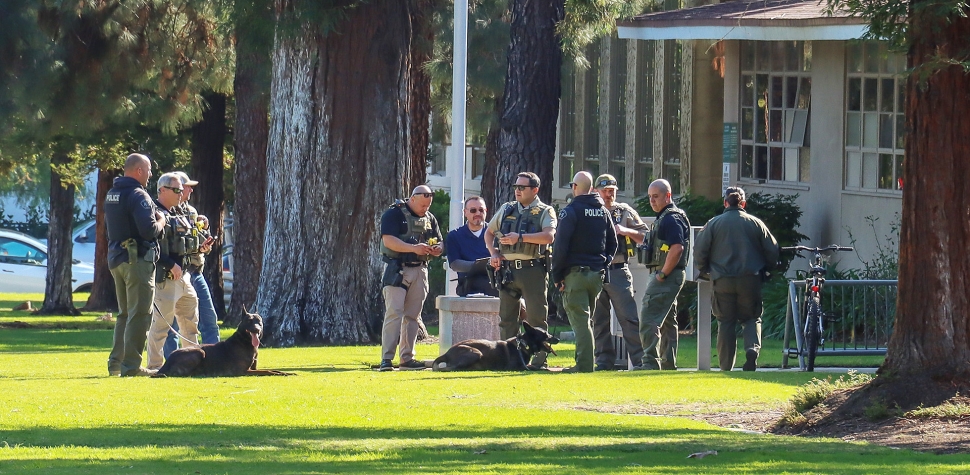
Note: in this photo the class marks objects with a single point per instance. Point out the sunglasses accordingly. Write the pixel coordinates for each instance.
(177, 191)
(521, 187)
(605, 182)
(426, 195)
(476, 210)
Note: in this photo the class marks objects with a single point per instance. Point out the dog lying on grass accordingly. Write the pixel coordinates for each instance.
(235, 356)
(503, 355)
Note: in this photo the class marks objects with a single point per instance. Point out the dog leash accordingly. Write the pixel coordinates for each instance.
(170, 326)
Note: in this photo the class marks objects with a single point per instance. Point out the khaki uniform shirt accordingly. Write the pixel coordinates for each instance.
(548, 220)
(624, 215)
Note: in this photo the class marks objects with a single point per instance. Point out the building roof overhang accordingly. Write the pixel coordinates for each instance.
(760, 20)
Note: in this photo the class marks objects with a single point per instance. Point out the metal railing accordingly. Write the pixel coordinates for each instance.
(858, 318)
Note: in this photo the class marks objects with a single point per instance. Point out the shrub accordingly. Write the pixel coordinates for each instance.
(815, 391)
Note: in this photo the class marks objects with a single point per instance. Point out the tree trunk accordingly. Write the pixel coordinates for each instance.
(103, 297)
(527, 141)
(58, 298)
(251, 85)
(931, 334)
(489, 174)
(337, 157)
(420, 90)
(209, 197)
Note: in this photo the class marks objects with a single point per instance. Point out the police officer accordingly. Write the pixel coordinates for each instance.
(133, 226)
(517, 238)
(736, 248)
(409, 239)
(208, 320)
(618, 292)
(175, 298)
(666, 257)
(586, 245)
(465, 245)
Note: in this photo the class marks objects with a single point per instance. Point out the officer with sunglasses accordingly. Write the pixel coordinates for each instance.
(618, 292)
(518, 237)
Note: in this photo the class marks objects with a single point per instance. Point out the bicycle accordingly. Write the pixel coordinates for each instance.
(812, 334)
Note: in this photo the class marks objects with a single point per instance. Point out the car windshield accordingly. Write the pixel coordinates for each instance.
(16, 252)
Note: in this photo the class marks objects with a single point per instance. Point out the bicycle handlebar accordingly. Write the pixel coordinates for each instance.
(833, 247)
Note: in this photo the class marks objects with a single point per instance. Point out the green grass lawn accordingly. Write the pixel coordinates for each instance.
(60, 413)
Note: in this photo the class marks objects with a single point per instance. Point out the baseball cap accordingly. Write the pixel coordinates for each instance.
(605, 181)
(184, 177)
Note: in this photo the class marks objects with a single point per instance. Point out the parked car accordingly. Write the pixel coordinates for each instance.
(84, 239)
(23, 265)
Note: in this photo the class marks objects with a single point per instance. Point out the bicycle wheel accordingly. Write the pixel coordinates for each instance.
(813, 333)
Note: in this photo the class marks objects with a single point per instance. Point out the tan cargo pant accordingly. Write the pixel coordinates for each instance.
(401, 310)
(176, 300)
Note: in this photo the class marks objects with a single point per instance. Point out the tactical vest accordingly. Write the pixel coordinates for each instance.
(528, 222)
(178, 238)
(662, 248)
(419, 230)
(627, 247)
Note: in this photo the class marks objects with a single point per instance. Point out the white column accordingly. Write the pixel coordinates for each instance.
(456, 159)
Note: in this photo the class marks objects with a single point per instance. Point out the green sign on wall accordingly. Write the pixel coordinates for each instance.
(730, 146)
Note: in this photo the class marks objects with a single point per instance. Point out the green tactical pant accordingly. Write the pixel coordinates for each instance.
(135, 288)
(669, 339)
(658, 306)
(583, 286)
(737, 300)
(618, 294)
(529, 284)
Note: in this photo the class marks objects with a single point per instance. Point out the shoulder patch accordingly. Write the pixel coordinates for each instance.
(562, 214)
(146, 205)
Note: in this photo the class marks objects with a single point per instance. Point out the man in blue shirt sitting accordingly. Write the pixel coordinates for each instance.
(465, 245)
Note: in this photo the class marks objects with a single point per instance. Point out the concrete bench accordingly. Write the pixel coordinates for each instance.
(463, 318)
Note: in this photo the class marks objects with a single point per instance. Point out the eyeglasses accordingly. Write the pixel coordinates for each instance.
(476, 210)
(426, 195)
(177, 191)
(605, 182)
(572, 184)
(521, 187)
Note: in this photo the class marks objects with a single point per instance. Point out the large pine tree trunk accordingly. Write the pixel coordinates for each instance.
(103, 297)
(490, 173)
(420, 101)
(527, 141)
(209, 197)
(251, 130)
(337, 156)
(931, 335)
(58, 298)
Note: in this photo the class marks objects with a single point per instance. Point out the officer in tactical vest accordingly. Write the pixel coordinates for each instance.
(665, 254)
(585, 246)
(195, 263)
(175, 298)
(618, 293)
(518, 237)
(409, 239)
(133, 226)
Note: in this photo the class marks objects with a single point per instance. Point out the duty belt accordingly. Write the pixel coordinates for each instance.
(621, 265)
(523, 263)
(414, 264)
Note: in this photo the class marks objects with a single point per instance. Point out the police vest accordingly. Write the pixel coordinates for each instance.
(178, 238)
(626, 246)
(661, 248)
(527, 222)
(419, 230)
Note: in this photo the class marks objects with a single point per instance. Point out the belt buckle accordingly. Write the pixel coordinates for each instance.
(518, 264)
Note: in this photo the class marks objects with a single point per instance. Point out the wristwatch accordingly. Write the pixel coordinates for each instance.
(520, 238)
(661, 274)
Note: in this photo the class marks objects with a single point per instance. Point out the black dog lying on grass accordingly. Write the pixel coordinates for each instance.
(504, 355)
(235, 356)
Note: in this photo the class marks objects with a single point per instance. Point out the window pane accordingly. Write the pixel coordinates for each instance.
(853, 54)
(870, 170)
(855, 95)
(807, 56)
(747, 123)
(887, 94)
(761, 162)
(777, 83)
(886, 137)
(805, 164)
(791, 91)
(899, 172)
(870, 129)
(870, 90)
(764, 56)
(853, 169)
(793, 53)
(900, 96)
(900, 131)
(618, 170)
(777, 164)
(853, 129)
(804, 93)
(747, 90)
(872, 57)
(747, 161)
(747, 55)
(774, 126)
(791, 164)
(777, 55)
(886, 171)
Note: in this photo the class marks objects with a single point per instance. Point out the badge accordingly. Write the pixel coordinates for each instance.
(536, 211)
(616, 215)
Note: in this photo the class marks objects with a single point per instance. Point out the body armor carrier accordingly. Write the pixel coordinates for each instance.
(177, 239)
(419, 230)
(527, 222)
(627, 247)
(655, 250)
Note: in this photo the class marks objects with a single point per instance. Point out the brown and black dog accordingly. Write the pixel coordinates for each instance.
(503, 355)
(235, 356)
